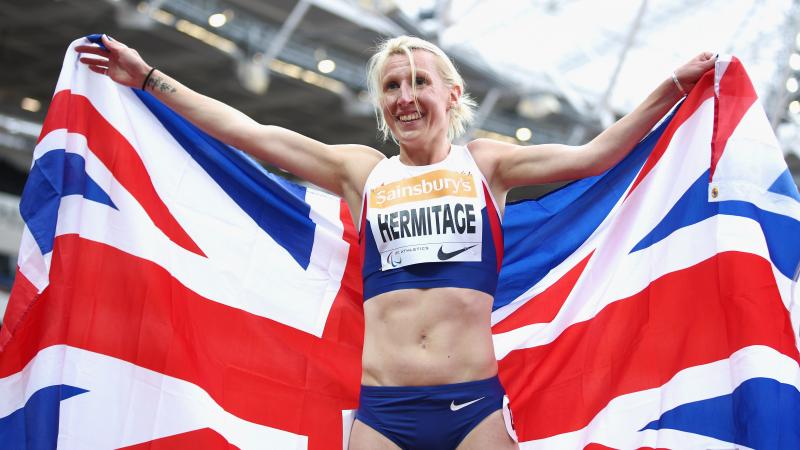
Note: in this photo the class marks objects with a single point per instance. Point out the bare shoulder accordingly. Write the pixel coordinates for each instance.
(363, 153)
(485, 148)
(488, 145)
(357, 162)
(499, 150)
(509, 165)
(487, 153)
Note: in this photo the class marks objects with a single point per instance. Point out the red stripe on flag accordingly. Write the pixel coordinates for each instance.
(347, 312)
(23, 294)
(736, 96)
(106, 301)
(703, 90)
(77, 115)
(345, 326)
(204, 438)
(362, 232)
(686, 318)
(543, 307)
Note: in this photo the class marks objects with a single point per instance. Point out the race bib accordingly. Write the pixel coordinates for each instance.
(432, 217)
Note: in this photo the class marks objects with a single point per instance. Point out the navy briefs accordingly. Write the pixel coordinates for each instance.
(429, 417)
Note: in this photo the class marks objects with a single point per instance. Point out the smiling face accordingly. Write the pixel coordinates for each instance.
(421, 119)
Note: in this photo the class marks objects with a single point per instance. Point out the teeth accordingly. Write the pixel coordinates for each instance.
(410, 117)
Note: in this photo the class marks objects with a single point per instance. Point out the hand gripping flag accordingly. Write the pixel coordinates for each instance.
(170, 294)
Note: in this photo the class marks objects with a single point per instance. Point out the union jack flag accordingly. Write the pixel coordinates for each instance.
(652, 306)
(171, 294)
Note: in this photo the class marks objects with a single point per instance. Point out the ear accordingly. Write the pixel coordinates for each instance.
(455, 94)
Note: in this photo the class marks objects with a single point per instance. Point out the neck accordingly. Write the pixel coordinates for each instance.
(425, 154)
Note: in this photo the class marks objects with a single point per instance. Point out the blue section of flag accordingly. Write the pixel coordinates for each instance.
(694, 207)
(784, 185)
(761, 413)
(572, 213)
(35, 425)
(276, 205)
(97, 39)
(55, 175)
(779, 231)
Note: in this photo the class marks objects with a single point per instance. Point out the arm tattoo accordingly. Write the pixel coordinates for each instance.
(158, 83)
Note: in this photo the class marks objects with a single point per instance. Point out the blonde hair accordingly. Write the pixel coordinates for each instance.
(461, 114)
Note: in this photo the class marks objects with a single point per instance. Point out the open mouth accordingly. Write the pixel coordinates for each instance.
(409, 117)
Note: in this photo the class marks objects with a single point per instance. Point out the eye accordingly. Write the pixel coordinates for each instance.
(390, 86)
(421, 80)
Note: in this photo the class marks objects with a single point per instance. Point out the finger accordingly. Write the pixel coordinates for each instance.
(97, 64)
(99, 69)
(94, 61)
(93, 49)
(111, 44)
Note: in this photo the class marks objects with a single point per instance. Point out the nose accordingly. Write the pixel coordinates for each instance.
(406, 94)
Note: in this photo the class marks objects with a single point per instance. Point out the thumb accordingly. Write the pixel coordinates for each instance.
(109, 43)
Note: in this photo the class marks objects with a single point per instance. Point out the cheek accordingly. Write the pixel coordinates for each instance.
(387, 111)
(386, 102)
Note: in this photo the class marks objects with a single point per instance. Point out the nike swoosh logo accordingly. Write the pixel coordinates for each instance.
(454, 407)
(444, 256)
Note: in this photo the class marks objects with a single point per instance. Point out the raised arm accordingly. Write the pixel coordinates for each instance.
(508, 165)
(341, 169)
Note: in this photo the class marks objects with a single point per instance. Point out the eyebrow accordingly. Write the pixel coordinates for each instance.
(419, 71)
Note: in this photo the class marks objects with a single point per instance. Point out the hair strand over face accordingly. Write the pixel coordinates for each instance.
(460, 116)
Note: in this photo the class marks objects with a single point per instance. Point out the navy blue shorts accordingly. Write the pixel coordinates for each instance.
(429, 417)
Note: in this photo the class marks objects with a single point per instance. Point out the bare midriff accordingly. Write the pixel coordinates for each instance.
(425, 337)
